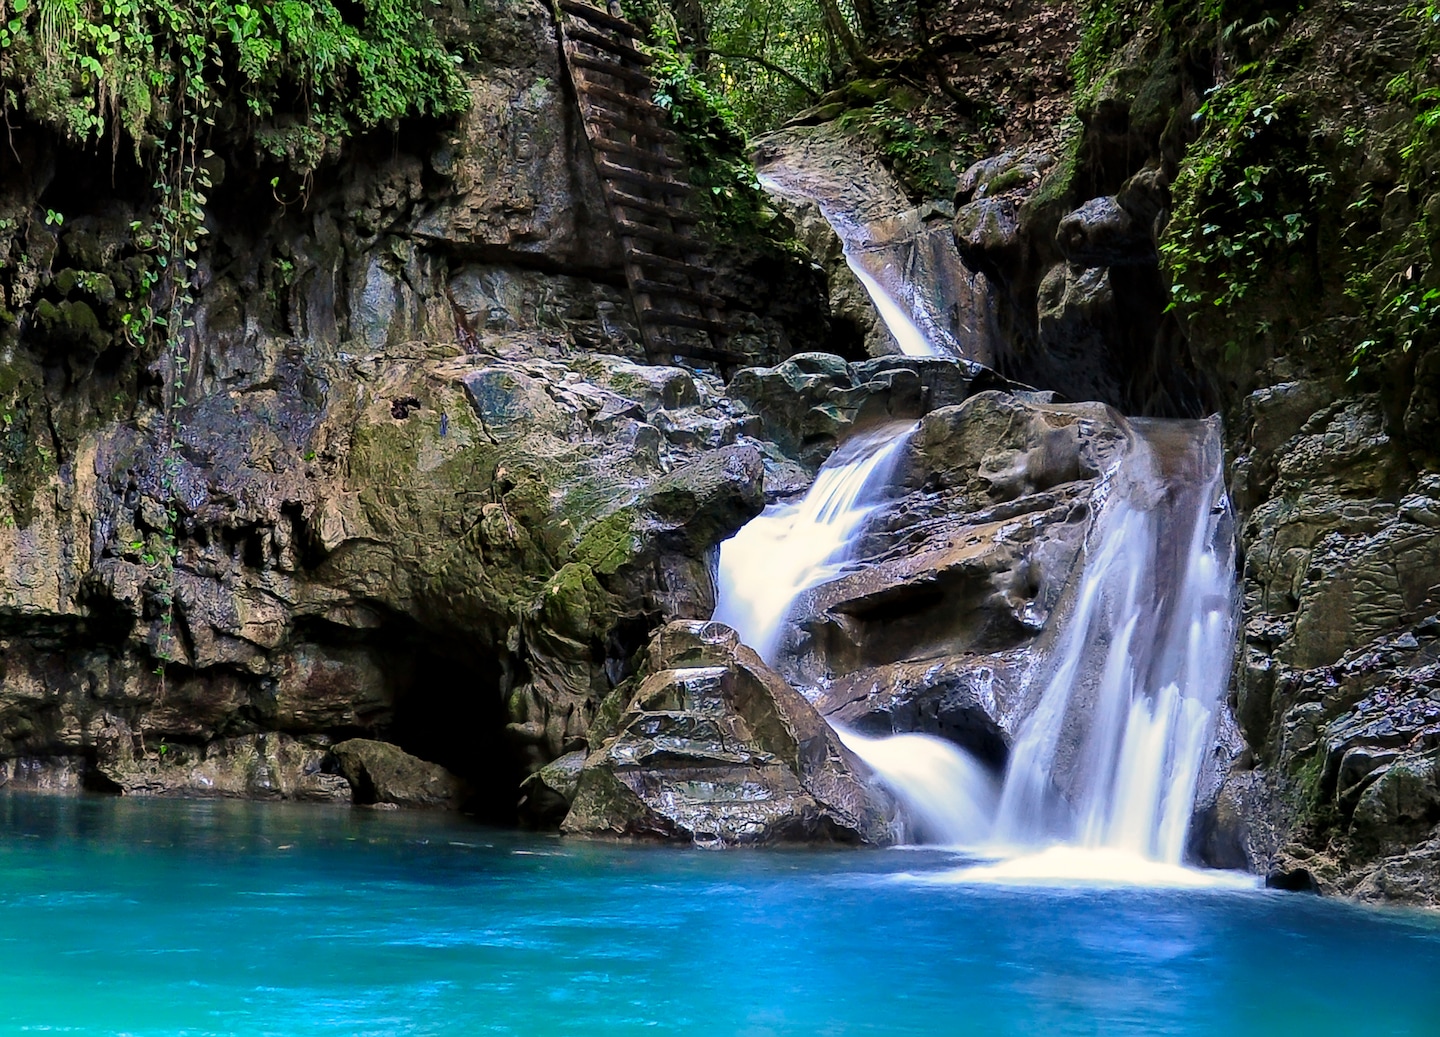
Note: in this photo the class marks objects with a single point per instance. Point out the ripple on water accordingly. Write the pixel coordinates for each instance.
(398, 932)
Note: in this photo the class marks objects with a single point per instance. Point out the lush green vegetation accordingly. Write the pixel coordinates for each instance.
(730, 199)
(139, 69)
(1271, 209)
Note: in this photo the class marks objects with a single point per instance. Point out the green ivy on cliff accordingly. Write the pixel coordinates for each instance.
(135, 68)
(1273, 208)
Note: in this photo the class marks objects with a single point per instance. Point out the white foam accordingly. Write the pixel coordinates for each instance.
(948, 795)
(1082, 866)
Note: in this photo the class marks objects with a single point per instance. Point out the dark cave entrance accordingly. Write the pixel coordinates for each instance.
(450, 709)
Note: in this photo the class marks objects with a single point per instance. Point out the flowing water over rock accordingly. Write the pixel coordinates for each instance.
(1140, 663)
(790, 548)
(1121, 695)
(1123, 692)
(904, 257)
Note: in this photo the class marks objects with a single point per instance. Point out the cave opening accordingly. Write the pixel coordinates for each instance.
(449, 709)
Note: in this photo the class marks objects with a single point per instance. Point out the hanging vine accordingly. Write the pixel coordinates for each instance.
(151, 77)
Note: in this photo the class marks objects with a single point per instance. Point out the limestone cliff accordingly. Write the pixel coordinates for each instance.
(404, 480)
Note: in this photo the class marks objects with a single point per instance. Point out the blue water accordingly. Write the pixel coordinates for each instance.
(133, 917)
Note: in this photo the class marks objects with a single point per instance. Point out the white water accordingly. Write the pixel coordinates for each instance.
(790, 548)
(908, 336)
(1103, 773)
(950, 796)
(1111, 755)
(899, 315)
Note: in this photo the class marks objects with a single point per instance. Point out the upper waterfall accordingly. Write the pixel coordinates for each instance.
(902, 255)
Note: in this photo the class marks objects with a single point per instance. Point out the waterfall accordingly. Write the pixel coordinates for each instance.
(1134, 667)
(790, 548)
(950, 797)
(874, 264)
(1111, 755)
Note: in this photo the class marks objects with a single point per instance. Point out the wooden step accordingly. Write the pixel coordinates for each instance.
(656, 158)
(603, 67)
(628, 102)
(719, 356)
(683, 242)
(604, 19)
(667, 264)
(638, 127)
(625, 200)
(677, 291)
(609, 45)
(610, 171)
(666, 319)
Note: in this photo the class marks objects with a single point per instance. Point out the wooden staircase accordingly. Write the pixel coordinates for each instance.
(644, 186)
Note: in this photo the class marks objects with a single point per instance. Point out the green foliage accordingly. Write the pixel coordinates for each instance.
(785, 34)
(729, 200)
(1245, 201)
(130, 66)
(1100, 25)
(1400, 286)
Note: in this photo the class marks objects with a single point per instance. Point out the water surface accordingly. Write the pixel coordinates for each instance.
(134, 917)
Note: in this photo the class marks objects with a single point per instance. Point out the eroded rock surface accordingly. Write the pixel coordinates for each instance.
(709, 745)
(956, 577)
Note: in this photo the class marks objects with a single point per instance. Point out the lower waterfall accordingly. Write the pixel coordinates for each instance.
(1123, 703)
(1111, 755)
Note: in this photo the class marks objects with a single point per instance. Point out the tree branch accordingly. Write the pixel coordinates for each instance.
(769, 66)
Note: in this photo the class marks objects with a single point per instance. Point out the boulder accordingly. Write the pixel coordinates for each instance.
(710, 746)
(380, 773)
(995, 499)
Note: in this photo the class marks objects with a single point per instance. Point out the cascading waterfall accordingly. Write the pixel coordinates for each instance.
(902, 316)
(790, 548)
(950, 797)
(1135, 662)
(1111, 755)
(1137, 666)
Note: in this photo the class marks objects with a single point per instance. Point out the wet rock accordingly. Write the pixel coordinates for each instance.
(1101, 233)
(266, 766)
(987, 233)
(44, 774)
(959, 574)
(807, 404)
(379, 773)
(710, 746)
(547, 794)
(1008, 171)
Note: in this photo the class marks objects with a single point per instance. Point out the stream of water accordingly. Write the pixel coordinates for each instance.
(789, 548)
(150, 918)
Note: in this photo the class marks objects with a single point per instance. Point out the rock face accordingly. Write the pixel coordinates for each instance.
(933, 628)
(711, 746)
(416, 487)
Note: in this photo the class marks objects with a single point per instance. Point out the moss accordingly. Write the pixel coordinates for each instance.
(572, 600)
(612, 542)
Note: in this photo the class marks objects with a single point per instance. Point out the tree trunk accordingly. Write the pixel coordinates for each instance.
(840, 29)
